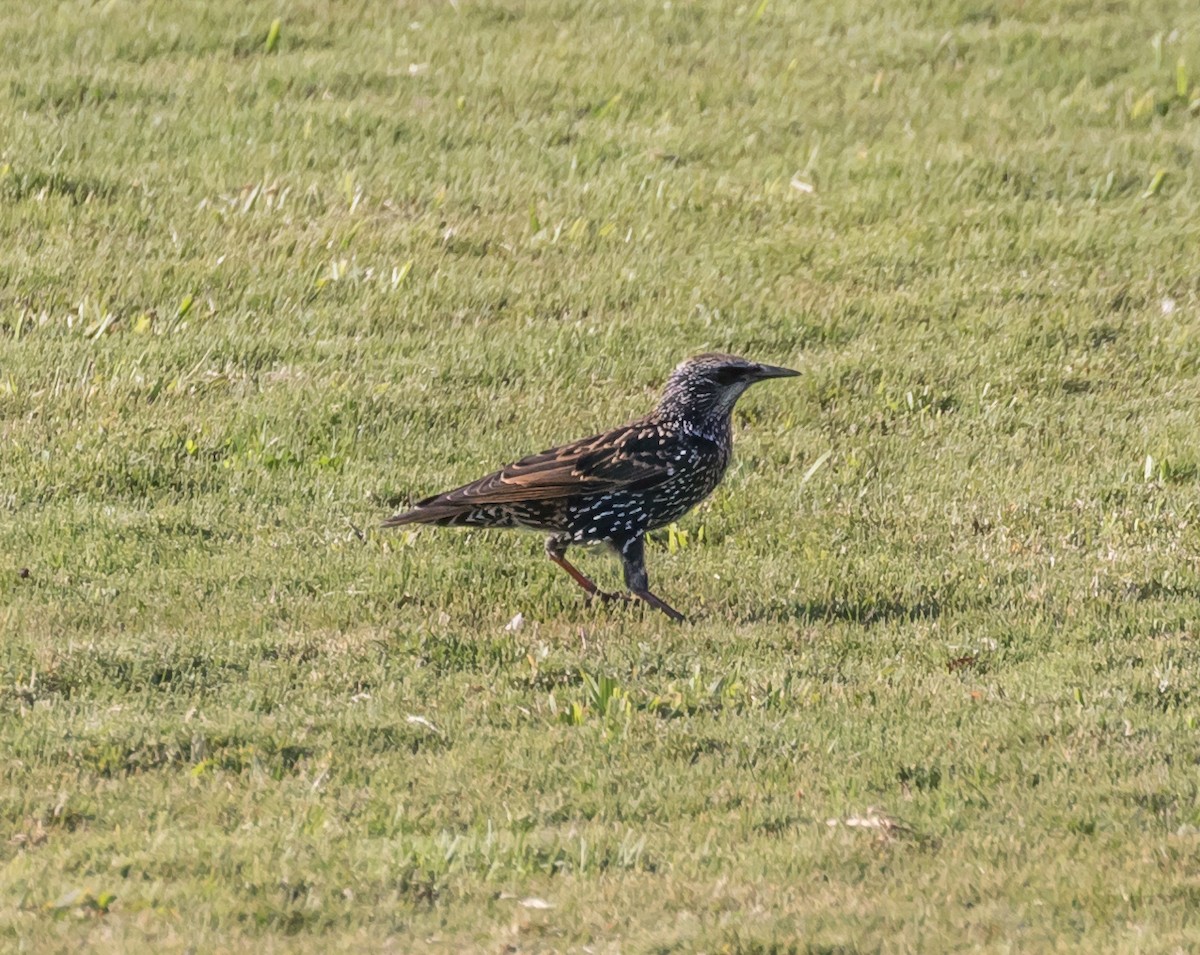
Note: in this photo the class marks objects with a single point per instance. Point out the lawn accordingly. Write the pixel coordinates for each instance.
(272, 271)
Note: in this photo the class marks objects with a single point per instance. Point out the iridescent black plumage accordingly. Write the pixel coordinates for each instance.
(614, 487)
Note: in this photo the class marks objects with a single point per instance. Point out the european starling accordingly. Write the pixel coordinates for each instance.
(613, 487)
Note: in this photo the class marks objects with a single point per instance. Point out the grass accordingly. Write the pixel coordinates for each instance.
(271, 271)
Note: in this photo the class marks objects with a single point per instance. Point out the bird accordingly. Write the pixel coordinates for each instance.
(612, 488)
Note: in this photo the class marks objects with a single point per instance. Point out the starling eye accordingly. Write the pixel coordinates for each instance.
(727, 376)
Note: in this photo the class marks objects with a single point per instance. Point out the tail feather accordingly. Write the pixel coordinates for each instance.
(407, 517)
(433, 510)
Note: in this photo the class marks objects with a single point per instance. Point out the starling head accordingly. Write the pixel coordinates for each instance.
(706, 387)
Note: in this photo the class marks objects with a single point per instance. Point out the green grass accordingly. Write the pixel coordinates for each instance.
(269, 271)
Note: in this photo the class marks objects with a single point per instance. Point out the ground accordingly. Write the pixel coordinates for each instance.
(272, 271)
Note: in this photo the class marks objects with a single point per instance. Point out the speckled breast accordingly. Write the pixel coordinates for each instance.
(700, 466)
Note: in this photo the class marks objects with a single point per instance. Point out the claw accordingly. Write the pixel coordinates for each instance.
(605, 597)
(657, 603)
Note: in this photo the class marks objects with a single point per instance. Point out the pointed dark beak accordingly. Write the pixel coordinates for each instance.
(773, 371)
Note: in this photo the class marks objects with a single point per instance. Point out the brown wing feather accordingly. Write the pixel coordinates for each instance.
(629, 457)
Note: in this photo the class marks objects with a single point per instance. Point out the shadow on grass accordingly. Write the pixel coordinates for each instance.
(1156, 590)
(867, 610)
(751, 946)
(19, 187)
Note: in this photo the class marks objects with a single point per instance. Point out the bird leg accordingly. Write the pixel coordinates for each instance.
(556, 550)
(633, 557)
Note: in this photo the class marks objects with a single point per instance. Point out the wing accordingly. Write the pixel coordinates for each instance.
(633, 457)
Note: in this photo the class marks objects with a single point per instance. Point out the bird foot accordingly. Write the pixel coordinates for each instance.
(605, 597)
(609, 598)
